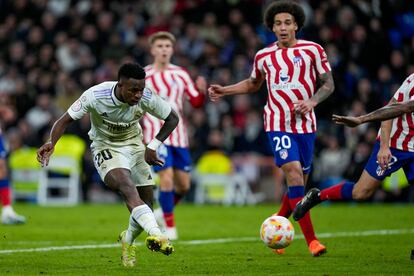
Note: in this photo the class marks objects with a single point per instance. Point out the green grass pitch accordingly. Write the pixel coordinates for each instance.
(214, 240)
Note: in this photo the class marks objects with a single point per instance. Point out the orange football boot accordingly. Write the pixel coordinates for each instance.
(316, 248)
(279, 251)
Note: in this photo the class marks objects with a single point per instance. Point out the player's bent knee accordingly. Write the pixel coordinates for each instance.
(293, 174)
(294, 178)
(182, 190)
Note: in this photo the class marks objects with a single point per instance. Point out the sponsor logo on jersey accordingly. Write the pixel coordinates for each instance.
(283, 154)
(285, 86)
(284, 76)
(116, 128)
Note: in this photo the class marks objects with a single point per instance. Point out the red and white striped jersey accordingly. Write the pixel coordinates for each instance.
(290, 75)
(173, 84)
(402, 131)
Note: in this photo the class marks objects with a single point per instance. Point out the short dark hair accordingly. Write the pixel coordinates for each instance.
(131, 71)
(284, 6)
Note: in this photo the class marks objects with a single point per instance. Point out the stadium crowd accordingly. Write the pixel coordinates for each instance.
(51, 51)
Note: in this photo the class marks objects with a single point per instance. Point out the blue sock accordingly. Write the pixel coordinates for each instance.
(166, 200)
(4, 183)
(346, 190)
(296, 191)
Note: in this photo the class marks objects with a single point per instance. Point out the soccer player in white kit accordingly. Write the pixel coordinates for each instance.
(120, 156)
(174, 84)
(292, 69)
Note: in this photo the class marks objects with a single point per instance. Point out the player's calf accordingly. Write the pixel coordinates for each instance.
(361, 194)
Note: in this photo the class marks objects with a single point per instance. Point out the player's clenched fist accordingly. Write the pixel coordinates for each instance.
(151, 157)
(44, 153)
(215, 92)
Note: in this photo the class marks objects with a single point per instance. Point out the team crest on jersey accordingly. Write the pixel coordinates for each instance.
(283, 154)
(76, 106)
(297, 61)
(283, 76)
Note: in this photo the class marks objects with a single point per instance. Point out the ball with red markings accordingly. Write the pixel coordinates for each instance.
(277, 232)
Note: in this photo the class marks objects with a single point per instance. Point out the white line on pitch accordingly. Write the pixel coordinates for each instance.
(384, 232)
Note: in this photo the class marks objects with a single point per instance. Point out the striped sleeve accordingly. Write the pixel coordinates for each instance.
(257, 71)
(195, 97)
(321, 61)
(406, 89)
(190, 89)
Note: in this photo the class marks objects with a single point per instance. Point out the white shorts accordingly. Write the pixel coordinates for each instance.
(130, 157)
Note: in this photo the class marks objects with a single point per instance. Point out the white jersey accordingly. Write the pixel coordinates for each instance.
(114, 122)
(402, 131)
(173, 84)
(290, 75)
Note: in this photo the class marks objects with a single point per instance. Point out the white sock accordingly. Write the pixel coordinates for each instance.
(146, 219)
(7, 210)
(134, 229)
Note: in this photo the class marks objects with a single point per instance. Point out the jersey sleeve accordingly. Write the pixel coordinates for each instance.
(257, 71)
(321, 61)
(195, 97)
(406, 91)
(82, 105)
(155, 105)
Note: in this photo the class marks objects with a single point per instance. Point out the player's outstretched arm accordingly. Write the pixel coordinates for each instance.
(349, 121)
(250, 85)
(170, 123)
(46, 150)
(393, 110)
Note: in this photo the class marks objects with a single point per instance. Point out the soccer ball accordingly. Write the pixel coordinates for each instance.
(277, 232)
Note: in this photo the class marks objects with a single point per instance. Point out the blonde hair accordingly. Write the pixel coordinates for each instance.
(161, 35)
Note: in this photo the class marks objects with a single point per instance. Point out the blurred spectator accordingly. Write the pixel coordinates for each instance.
(358, 161)
(191, 44)
(332, 163)
(42, 113)
(352, 134)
